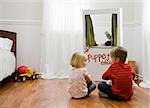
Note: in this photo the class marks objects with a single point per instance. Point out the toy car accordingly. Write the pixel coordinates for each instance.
(24, 73)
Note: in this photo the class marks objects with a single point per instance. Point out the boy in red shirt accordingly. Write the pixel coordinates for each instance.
(121, 76)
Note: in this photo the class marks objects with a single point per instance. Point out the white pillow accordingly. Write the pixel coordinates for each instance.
(6, 43)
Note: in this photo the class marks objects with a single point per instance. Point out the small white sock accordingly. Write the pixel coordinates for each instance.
(109, 82)
(134, 85)
(102, 94)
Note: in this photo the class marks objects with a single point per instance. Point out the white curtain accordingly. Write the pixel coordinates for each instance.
(146, 45)
(62, 35)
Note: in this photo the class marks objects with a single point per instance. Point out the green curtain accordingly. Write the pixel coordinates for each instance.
(89, 32)
(114, 29)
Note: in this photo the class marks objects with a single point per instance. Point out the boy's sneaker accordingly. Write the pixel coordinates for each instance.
(102, 94)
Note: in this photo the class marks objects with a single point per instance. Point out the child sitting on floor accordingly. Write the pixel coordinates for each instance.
(121, 76)
(80, 83)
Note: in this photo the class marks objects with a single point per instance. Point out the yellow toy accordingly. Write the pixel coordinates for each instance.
(24, 73)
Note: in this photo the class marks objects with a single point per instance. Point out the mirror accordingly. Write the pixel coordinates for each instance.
(102, 27)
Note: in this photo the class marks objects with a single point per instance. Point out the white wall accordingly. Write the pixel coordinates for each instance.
(24, 17)
(0, 10)
(22, 10)
(132, 35)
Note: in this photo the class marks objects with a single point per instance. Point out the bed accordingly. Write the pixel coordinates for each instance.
(7, 56)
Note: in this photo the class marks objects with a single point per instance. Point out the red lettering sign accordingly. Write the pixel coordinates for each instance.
(103, 59)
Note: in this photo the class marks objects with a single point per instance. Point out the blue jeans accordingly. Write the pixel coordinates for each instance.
(105, 88)
(91, 87)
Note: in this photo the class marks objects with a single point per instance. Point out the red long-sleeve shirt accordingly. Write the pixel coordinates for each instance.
(121, 76)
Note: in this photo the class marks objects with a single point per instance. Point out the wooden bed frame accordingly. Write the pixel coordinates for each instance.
(12, 36)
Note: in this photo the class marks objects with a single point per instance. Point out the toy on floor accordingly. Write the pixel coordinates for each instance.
(132, 63)
(24, 73)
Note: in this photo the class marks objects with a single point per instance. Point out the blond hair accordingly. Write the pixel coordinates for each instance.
(119, 52)
(77, 59)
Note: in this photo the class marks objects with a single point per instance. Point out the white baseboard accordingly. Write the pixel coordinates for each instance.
(20, 22)
(140, 77)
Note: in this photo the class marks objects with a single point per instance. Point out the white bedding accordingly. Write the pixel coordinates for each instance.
(7, 63)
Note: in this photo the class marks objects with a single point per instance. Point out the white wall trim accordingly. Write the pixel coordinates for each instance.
(20, 22)
(92, 1)
(21, 1)
(96, 1)
(39, 22)
(132, 24)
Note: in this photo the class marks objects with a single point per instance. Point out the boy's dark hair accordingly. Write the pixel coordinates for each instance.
(119, 52)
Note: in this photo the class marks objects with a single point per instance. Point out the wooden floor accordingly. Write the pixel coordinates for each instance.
(53, 94)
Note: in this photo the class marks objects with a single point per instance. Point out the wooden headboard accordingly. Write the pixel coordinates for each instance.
(12, 36)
